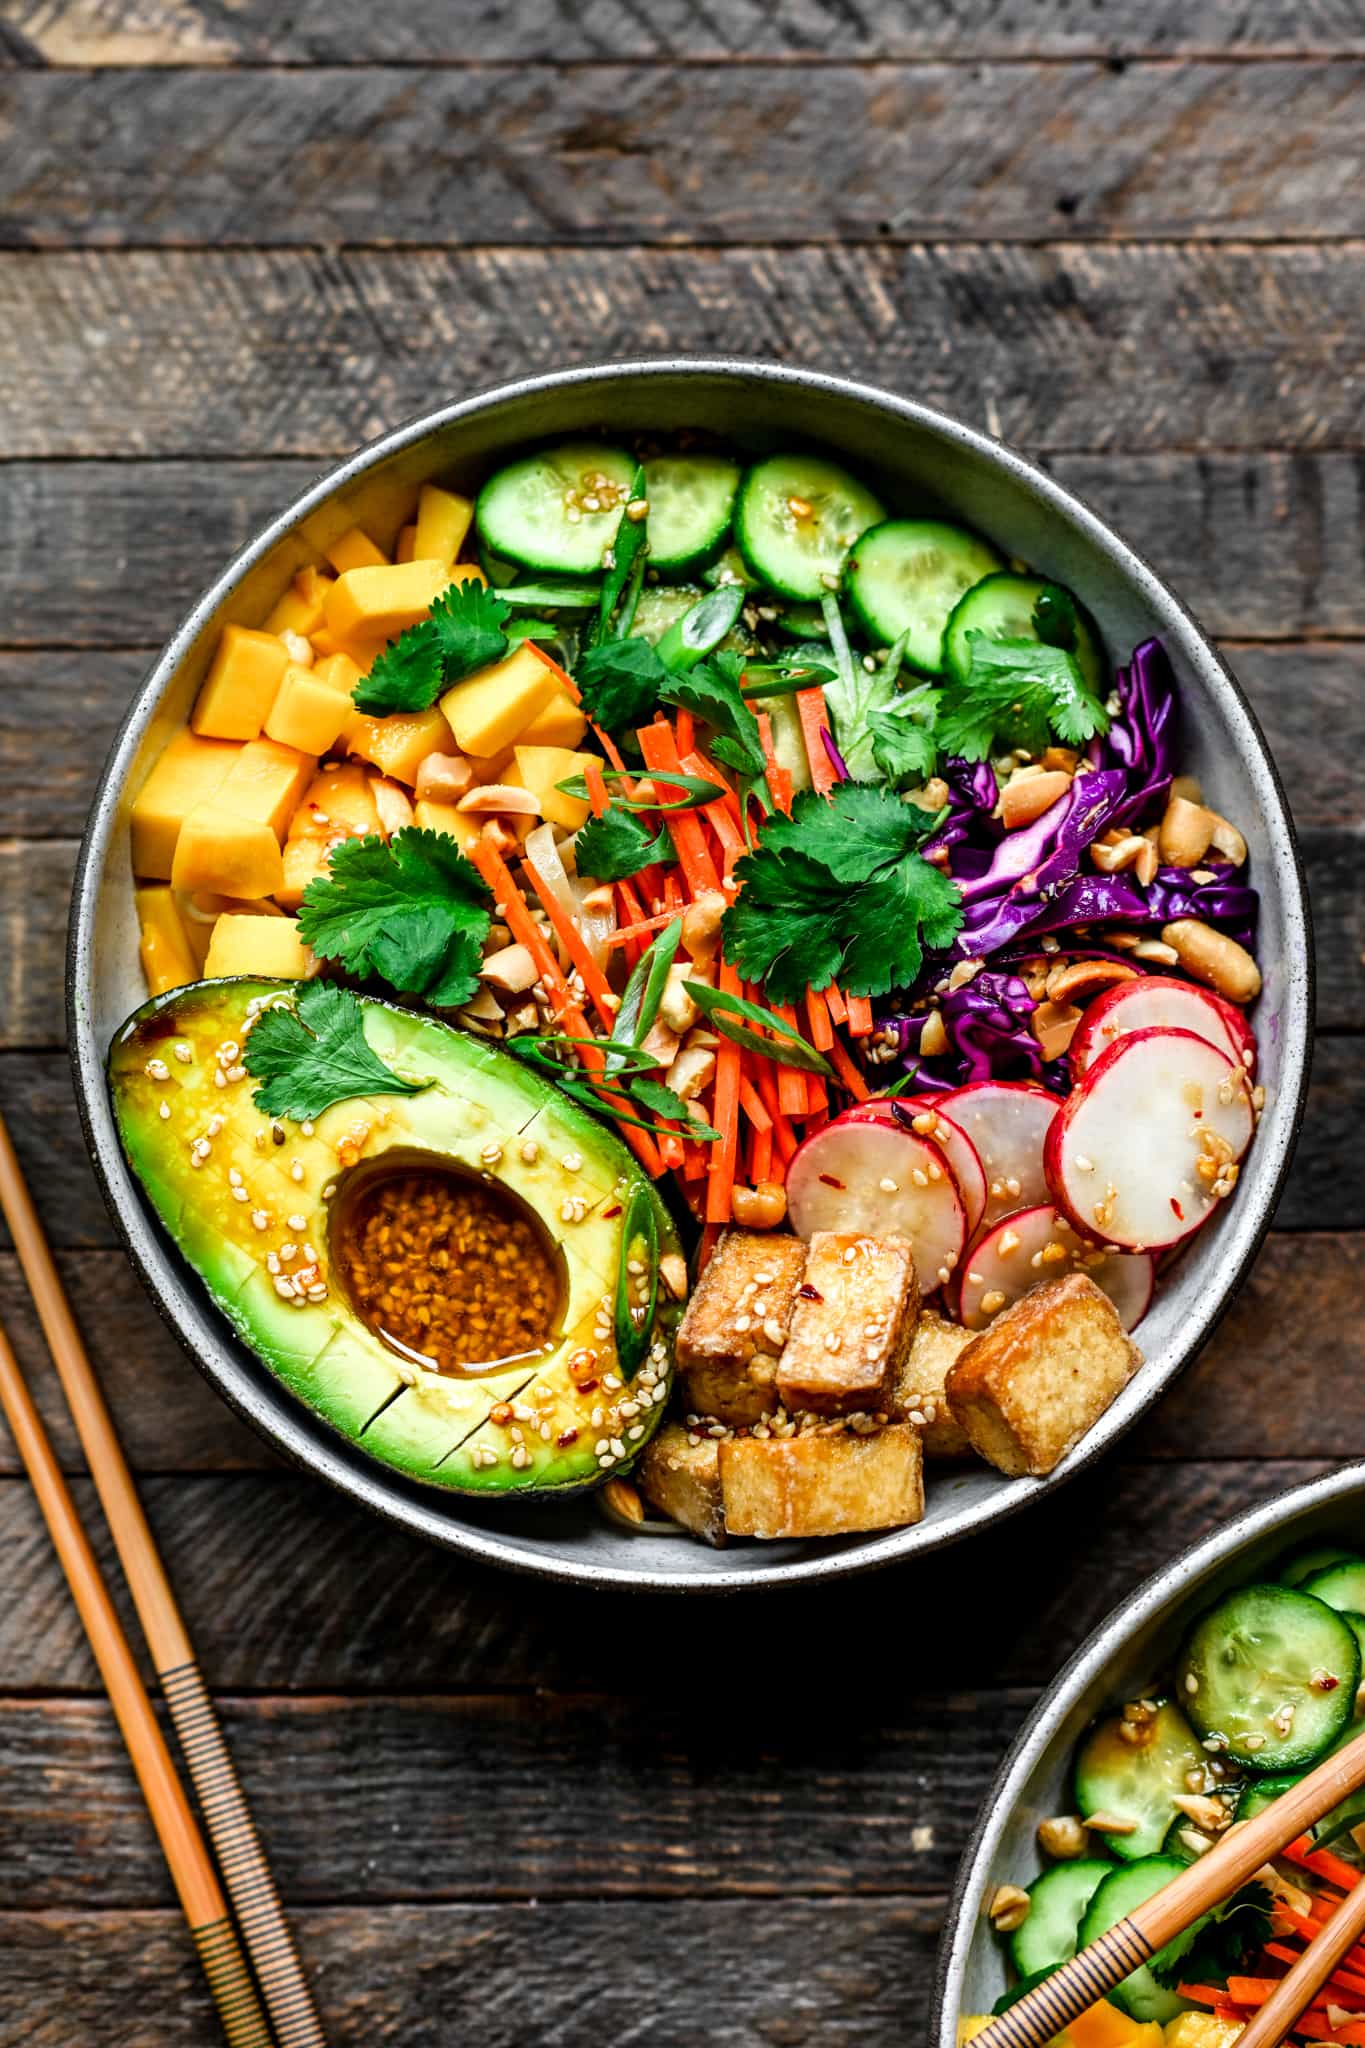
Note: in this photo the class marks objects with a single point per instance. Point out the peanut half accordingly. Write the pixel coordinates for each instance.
(1212, 957)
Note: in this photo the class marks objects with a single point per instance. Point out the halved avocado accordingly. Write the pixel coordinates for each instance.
(252, 1202)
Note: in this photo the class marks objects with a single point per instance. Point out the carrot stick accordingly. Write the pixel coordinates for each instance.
(779, 782)
(1346, 1980)
(610, 749)
(722, 815)
(685, 728)
(848, 1073)
(859, 1016)
(810, 706)
(597, 789)
(671, 1150)
(817, 1016)
(673, 898)
(784, 1137)
(624, 933)
(720, 1181)
(694, 1160)
(751, 1102)
(817, 1094)
(565, 678)
(761, 1158)
(1322, 1863)
(574, 944)
(791, 1081)
(710, 1237)
(834, 1003)
(660, 750)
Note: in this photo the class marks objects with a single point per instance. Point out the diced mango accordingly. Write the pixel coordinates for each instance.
(307, 713)
(364, 649)
(493, 707)
(338, 671)
(379, 601)
(188, 772)
(338, 804)
(1104, 2026)
(354, 550)
(268, 946)
(167, 958)
(561, 724)
(541, 769)
(406, 549)
(217, 849)
(267, 782)
(442, 523)
(303, 860)
(240, 686)
(491, 767)
(462, 826)
(399, 743)
(325, 642)
(300, 609)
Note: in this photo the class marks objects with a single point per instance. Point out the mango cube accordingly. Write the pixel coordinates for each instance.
(240, 686)
(561, 724)
(338, 804)
(399, 743)
(406, 549)
(300, 609)
(267, 782)
(307, 714)
(217, 849)
(442, 523)
(167, 958)
(354, 550)
(461, 826)
(247, 944)
(492, 708)
(338, 671)
(380, 601)
(188, 772)
(303, 861)
(541, 769)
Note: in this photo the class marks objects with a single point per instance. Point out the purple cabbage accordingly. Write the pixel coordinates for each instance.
(1007, 900)
(972, 796)
(1143, 737)
(987, 1022)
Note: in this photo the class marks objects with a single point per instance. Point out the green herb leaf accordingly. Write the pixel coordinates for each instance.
(873, 725)
(904, 746)
(618, 844)
(1213, 1947)
(405, 676)
(1018, 693)
(639, 1234)
(666, 1102)
(790, 1049)
(463, 633)
(414, 912)
(1054, 617)
(711, 691)
(627, 549)
(314, 1052)
(839, 889)
(469, 619)
(619, 683)
(644, 991)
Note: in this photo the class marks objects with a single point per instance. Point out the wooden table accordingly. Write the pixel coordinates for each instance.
(240, 239)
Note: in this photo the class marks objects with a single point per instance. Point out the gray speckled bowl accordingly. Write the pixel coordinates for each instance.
(919, 457)
(1121, 1660)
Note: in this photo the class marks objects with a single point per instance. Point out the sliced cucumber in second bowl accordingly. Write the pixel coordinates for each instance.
(556, 511)
(796, 518)
(1136, 1771)
(907, 575)
(1269, 1677)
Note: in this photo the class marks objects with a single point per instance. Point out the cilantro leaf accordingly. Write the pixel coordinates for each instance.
(840, 890)
(464, 632)
(666, 1102)
(405, 676)
(1018, 693)
(1216, 1945)
(314, 1052)
(904, 747)
(618, 844)
(711, 691)
(414, 912)
(619, 683)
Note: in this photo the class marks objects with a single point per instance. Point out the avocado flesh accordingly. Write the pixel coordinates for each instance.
(436, 1427)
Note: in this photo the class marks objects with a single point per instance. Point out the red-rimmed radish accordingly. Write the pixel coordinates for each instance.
(1040, 1244)
(1008, 1122)
(873, 1176)
(1161, 1002)
(1147, 1143)
(922, 1115)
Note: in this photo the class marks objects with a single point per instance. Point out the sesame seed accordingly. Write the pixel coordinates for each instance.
(888, 1186)
(572, 1162)
(260, 1220)
(530, 1151)
(298, 1221)
(163, 1110)
(307, 1129)
(182, 1052)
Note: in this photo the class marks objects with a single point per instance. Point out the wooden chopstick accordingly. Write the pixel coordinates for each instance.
(1033, 2020)
(1293, 1996)
(246, 1873)
(191, 1867)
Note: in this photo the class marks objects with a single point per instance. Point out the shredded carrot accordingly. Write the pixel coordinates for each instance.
(761, 1157)
(1203, 1994)
(550, 662)
(834, 1003)
(859, 1016)
(684, 726)
(810, 705)
(720, 1181)
(694, 1160)
(784, 1137)
(817, 1094)
(816, 1121)
(1322, 1863)
(673, 896)
(659, 747)
(575, 945)
(1346, 1980)
(779, 781)
(722, 815)
(751, 1102)
(625, 933)
(848, 1072)
(597, 788)
(817, 1016)
(610, 749)
(671, 1150)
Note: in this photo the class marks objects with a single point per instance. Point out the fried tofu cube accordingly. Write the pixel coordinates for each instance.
(852, 1324)
(918, 1396)
(683, 1480)
(1028, 1388)
(737, 1323)
(822, 1485)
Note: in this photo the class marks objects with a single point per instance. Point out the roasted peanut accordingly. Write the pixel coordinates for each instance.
(701, 925)
(443, 778)
(1054, 1027)
(1186, 833)
(1063, 1837)
(673, 1273)
(1081, 979)
(1009, 1908)
(1228, 841)
(760, 1208)
(1213, 958)
(1112, 855)
(502, 797)
(511, 969)
(300, 650)
(1189, 787)
(934, 1037)
(393, 805)
(620, 1496)
(1026, 796)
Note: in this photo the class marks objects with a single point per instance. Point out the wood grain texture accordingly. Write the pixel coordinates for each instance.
(431, 32)
(614, 154)
(302, 351)
(107, 555)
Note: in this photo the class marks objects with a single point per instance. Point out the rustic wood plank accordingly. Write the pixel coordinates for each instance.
(180, 32)
(286, 1588)
(1077, 346)
(661, 1975)
(104, 555)
(613, 154)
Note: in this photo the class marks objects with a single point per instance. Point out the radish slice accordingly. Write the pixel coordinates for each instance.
(1039, 1244)
(1140, 1152)
(1007, 1121)
(875, 1177)
(922, 1115)
(1161, 1002)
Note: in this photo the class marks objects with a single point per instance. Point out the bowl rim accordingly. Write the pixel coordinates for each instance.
(1085, 1667)
(275, 1414)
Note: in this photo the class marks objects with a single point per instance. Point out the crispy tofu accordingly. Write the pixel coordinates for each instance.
(822, 1485)
(683, 1480)
(918, 1396)
(852, 1325)
(1029, 1387)
(736, 1326)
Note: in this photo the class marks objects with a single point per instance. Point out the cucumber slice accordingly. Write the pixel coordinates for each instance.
(1138, 1781)
(1341, 1585)
(1313, 1557)
(802, 622)
(1258, 1793)
(796, 518)
(1057, 1902)
(1139, 1995)
(702, 628)
(661, 606)
(556, 511)
(907, 575)
(729, 567)
(1001, 607)
(498, 572)
(1270, 1675)
(691, 502)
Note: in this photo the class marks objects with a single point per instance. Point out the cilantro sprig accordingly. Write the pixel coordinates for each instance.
(463, 632)
(413, 912)
(619, 844)
(1018, 693)
(840, 891)
(314, 1052)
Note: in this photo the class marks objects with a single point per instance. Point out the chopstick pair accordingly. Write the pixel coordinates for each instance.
(245, 1873)
(1033, 2020)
